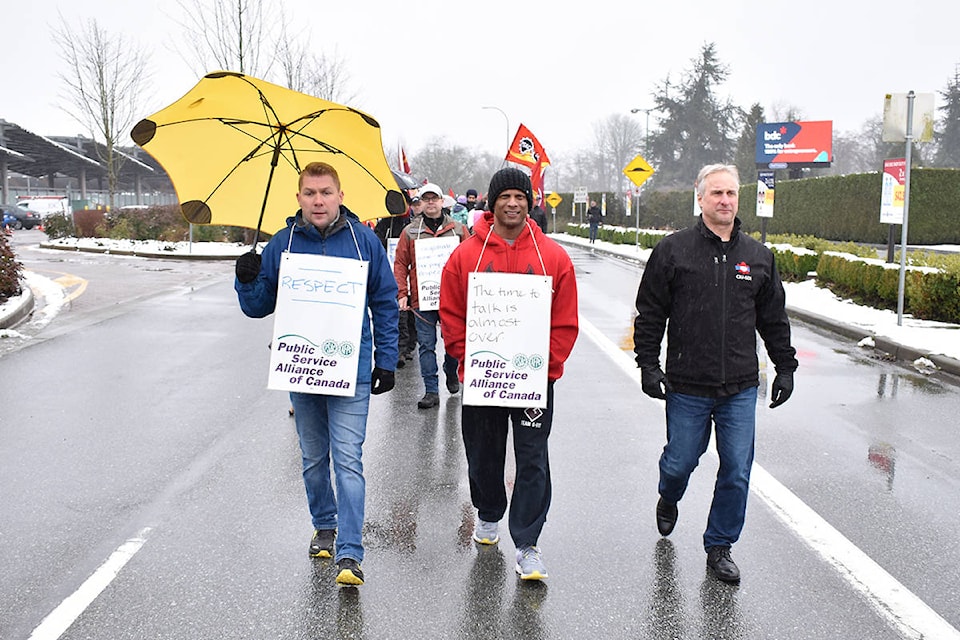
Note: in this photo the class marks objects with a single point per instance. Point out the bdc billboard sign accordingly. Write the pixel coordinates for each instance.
(788, 145)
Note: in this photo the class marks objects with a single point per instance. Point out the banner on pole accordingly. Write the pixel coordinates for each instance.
(892, 190)
(766, 181)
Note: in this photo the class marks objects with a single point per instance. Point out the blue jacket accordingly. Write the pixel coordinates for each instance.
(258, 299)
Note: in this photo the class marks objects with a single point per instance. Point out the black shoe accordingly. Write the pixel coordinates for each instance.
(321, 546)
(666, 517)
(722, 565)
(453, 385)
(428, 400)
(349, 573)
(401, 363)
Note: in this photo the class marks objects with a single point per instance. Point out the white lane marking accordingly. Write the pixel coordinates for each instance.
(64, 615)
(910, 616)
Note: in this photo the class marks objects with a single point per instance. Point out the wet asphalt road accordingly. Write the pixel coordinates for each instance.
(146, 415)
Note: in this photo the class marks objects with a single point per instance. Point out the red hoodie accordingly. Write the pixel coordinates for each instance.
(520, 257)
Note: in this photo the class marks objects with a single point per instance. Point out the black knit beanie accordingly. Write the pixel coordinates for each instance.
(509, 178)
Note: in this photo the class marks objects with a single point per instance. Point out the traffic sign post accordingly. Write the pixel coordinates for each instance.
(638, 170)
(580, 197)
(554, 199)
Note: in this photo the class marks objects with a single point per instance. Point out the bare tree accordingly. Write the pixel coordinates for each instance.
(103, 87)
(230, 35)
(618, 139)
(324, 75)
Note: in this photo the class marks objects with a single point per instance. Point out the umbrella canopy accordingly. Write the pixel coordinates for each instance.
(234, 147)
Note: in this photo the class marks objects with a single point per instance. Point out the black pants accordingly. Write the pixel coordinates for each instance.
(485, 440)
(408, 333)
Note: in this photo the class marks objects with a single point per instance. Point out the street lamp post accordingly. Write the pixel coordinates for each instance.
(646, 130)
(506, 121)
(646, 155)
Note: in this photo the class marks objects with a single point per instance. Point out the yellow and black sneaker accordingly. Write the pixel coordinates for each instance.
(321, 546)
(349, 574)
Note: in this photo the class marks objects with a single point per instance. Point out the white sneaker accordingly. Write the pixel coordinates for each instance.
(530, 564)
(486, 532)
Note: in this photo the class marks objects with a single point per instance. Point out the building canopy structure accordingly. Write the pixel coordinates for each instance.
(75, 157)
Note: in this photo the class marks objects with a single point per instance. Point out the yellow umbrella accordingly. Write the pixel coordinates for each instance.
(234, 147)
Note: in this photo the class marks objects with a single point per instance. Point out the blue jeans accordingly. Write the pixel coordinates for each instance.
(427, 322)
(688, 433)
(334, 427)
(593, 231)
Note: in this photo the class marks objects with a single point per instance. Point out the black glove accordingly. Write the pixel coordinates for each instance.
(248, 267)
(782, 389)
(381, 381)
(651, 381)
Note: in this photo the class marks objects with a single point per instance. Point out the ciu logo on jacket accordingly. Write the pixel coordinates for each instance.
(743, 271)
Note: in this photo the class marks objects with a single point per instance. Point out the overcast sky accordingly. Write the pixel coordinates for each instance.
(426, 68)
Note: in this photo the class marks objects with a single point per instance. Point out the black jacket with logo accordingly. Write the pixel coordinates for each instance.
(716, 297)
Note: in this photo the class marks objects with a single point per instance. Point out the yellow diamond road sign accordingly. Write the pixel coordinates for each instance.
(553, 200)
(638, 170)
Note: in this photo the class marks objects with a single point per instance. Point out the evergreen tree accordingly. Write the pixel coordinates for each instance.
(746, 156)
(948, 134)
(696, 127)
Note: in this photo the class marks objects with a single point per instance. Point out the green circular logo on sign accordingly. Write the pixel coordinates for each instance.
(329, 347)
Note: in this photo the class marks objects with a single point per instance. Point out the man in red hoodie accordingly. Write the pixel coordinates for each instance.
(505, 240)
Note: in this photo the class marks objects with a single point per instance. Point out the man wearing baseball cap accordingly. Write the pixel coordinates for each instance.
(431, 223)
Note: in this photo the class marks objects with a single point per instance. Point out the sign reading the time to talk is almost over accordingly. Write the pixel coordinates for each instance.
(507, 351)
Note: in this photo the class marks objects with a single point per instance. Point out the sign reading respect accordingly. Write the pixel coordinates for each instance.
(321, 305)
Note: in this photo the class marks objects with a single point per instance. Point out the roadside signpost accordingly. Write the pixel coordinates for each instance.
(554, 200)
(639, 171)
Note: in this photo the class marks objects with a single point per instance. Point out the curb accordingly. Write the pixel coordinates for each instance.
(138, 254)
(883, 344)
(21, 311)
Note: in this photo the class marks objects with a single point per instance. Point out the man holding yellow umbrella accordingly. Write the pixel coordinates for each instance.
(331, 427)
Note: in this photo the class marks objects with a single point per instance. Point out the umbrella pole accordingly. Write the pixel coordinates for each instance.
(266, 194)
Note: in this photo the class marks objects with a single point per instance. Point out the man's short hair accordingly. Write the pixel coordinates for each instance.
(317, 169)
(711, 169)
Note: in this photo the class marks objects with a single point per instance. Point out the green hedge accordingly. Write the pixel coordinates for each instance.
(836, 208)
(931, 287)
(10, 271)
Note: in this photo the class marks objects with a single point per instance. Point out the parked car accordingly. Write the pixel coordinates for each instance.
(23, 218)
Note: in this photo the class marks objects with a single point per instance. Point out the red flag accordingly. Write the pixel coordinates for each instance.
(452, 194)
(404, 165)
(536, 183)
(527, 150)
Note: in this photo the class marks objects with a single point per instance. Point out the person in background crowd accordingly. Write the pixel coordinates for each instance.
(538, 215)
(595, 218)
(471, 202)
(432, 223)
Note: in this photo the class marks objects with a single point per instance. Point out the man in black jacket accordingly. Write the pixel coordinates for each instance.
(717, 287)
